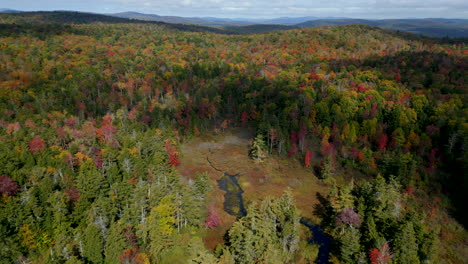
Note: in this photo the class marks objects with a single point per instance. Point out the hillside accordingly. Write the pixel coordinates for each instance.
(434, 27)
(176, 19)
(125, 141)
(454, 28)
(259, 28)
(69, 17)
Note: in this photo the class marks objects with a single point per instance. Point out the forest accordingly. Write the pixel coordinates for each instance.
(94, 117)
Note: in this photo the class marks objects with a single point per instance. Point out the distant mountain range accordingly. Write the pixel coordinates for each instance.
(432, 27)
(216, 21)
(7, 10)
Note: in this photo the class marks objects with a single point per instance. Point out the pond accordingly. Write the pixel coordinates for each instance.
(234, 205)
(233, 202)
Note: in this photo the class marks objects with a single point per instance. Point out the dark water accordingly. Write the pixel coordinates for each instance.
(319, 238)
(233, 202)
(234, 205)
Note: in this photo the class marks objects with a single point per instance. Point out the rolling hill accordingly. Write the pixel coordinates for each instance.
(437, 27)
(178, 19)
(71, 17)
(430, 27)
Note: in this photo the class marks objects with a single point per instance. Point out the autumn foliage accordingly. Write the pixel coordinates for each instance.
(307, 158)
(380, 256)
(172, 153)
(7, 186)
(213, 219)
(37, 144)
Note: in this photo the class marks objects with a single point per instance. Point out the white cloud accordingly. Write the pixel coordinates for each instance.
(259, 8)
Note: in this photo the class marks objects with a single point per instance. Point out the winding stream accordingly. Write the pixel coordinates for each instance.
(233, 202)
(234, 205)
(319, 238)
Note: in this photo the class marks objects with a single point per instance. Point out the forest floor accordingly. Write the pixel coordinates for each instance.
(228, 152)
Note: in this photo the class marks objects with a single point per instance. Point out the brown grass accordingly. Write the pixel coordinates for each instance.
(229, 152)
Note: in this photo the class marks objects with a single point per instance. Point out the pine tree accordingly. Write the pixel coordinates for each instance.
(406, 249)
(160, 225)
(370, 233)
(258, 152)
(341, 198)
(269, 232)
(115, 243)
(198, 253)
(92, 244)
(327, 169)
(350, 245)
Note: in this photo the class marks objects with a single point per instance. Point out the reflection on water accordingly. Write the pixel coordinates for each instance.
(233, 203)
(319, 238)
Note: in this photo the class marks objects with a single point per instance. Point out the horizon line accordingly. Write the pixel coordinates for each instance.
(209, 16)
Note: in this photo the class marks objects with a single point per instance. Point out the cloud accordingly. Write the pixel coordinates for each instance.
(260, 8)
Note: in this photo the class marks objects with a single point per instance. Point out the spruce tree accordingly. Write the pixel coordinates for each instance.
(350, 245)
(258, 152)
(115, 243)
(92, 244)
(405, 246)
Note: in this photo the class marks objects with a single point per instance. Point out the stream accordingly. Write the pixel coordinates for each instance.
(234, 205)
(319, 238)
(233, 202)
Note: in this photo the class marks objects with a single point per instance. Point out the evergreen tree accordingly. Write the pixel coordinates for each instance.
(93, 244)
(160, 225)
(405, 246)
(115, 243)
(198, 253)
(370, 234)
(258, 151)
(350, 245)
(327, 169)
(269, 231)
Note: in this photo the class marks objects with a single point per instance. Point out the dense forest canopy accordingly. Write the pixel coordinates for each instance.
(92, 115)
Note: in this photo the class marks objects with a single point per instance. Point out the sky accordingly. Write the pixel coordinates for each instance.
(258, 8)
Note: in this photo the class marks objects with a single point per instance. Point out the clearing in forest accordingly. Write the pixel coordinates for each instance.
(228, 153)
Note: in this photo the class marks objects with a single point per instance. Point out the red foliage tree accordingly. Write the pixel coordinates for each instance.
(293, 137)
(73, 194)
(361, 88)
(130, 256)
(244, 118)
(107, 131)
(357, 154)
(380, 256)
(174, 159)
(146, 119)
(307, 158)
(37, 144)
(213, 218)
(71, 122)
(173, 154)
(398, 77)
(382, 142)
(293, 150)
(326, 148)
(313, 76)
(7, 186)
